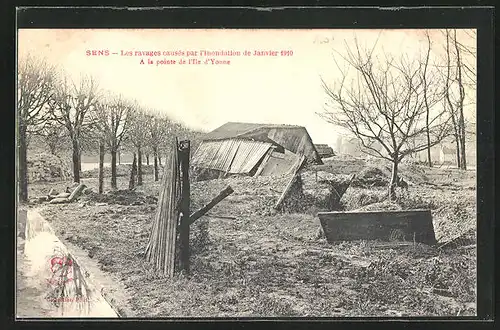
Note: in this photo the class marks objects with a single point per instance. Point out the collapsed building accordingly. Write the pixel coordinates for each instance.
(253, 149)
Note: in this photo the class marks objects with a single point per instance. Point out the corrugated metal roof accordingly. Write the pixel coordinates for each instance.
(232, 156)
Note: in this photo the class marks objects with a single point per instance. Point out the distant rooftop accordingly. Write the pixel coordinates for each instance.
(234, 129)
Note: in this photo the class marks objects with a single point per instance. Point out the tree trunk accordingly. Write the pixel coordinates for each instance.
(101, 167)
(394, 179)
(23, 164)
(457, 142)
(76, 161)
(429, 160)
(131, 183)
(113, 168)
(460, 106)
(119, 157)
(139, 166)
(427, 110)
(463, 161)
(155, 158)
(159, 159)
(147, 159)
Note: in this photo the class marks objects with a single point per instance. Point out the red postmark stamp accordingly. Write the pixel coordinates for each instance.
(62, 268)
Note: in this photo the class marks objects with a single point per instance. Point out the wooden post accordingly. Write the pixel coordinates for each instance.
(184, 253)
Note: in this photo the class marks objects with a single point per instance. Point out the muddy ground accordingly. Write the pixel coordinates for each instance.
(249, 261)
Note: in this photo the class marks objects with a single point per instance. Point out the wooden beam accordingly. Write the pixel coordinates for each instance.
(409, 225)
(184, 250)
(198, 214)
(294, 170)
(286, 191)
(77, 192)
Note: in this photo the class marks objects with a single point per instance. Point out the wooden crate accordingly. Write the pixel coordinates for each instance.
(409, 225)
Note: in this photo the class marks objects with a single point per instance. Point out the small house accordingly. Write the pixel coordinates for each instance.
(254, 149)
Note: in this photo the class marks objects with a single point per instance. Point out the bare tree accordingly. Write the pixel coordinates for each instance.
(113, 116)
(34, 90)
(70, 107)
(138, 136)
(460, 74)
(54, 136)
(158, 127)
(426, 87)
(384, 107)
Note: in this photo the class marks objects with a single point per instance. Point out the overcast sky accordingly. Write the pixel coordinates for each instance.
(263, 89)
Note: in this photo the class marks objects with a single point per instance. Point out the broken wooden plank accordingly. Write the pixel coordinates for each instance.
(223, 194)
(285, 192)
(298, 165)
(294, 171)
(59, 200)
(76, 192)
(409, 225)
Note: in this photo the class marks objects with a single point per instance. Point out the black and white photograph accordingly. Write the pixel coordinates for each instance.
(262, 173)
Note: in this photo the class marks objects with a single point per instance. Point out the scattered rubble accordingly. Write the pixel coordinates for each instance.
(120, 197)
(71, 194)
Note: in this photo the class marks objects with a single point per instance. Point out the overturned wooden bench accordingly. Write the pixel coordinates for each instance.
(408, 225)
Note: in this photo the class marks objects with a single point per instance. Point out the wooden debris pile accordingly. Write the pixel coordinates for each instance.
(70, 195)
(162, 241)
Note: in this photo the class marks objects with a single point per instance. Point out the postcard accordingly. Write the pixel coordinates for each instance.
(261, 173)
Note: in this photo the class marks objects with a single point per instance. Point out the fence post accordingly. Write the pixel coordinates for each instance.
(184, 251)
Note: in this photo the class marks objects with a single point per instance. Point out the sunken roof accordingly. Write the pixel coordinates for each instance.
(234, 129)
